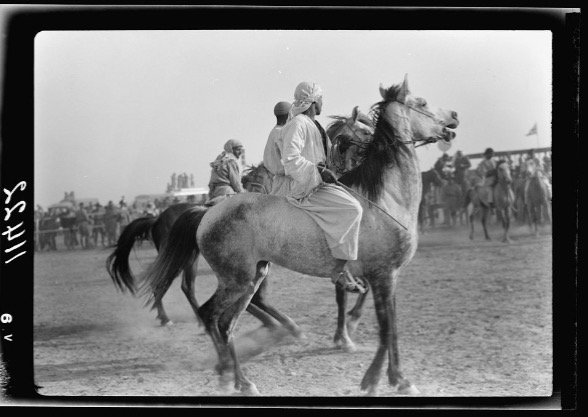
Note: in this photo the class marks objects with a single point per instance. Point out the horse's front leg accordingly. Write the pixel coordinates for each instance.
(384, 300)
(342, 338)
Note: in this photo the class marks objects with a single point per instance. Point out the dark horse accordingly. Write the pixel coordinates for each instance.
(240, 236)
(429, 178)
(157, 229)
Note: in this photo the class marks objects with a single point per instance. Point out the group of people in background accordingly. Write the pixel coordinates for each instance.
(459, 176)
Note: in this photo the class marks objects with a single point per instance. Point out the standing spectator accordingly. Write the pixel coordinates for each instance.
(111, 217)
(84, 222)
(98, 229)
(124, 217)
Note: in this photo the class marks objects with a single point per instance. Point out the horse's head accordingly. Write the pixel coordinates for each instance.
(257, 179)
(413, 118)
(349, 135)
(503, 173)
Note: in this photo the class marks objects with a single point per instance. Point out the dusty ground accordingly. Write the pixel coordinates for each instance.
(475, 319)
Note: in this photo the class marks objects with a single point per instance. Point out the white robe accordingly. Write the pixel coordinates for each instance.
(336, 211)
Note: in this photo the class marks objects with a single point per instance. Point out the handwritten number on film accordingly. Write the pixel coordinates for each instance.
(12, 231)
(15, 231)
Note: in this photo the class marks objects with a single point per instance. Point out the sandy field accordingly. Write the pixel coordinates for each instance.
(475, 319)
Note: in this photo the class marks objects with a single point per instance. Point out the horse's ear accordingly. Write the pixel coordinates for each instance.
(404, 91)
(383, 91)
(355, 114)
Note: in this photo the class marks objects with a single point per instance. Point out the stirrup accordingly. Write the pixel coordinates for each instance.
(350, 283)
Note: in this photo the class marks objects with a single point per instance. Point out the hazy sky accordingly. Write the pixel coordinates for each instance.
(117, 112)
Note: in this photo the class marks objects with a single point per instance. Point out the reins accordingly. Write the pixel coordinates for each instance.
(355, 193)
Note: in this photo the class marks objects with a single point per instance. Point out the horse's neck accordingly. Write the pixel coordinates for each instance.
(403, 187)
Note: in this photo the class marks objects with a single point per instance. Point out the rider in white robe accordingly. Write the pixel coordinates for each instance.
(303, 155)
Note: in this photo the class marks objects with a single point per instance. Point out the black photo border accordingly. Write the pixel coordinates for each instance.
(21, 25)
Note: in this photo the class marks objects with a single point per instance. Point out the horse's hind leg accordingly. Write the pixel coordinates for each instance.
(161, 313)
(259, 300)
(188, 288)
(220, 314)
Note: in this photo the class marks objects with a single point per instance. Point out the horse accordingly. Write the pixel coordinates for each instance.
(349, 137)
(428, 179)
(504, 197)
(240, 236)
(452, 198)
(156, 229)
(537, 197)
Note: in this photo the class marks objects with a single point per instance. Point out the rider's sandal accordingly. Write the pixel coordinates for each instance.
(350, 283)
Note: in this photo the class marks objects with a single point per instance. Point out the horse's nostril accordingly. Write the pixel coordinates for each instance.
(454, 115)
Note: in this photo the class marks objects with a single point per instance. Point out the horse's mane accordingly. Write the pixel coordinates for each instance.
(379, 154)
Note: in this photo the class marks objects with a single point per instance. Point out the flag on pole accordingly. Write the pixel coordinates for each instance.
(533, 130)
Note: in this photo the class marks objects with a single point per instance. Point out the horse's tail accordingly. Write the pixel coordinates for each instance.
(117, 264)
(179, 251)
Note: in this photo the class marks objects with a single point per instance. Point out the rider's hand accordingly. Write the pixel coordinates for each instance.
(326, 174)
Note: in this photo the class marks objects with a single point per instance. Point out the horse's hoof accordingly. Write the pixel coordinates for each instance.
(408, 389)
(226, 383)
(372, 391)
(167, 323)
(299, 334)
(250, 391)
(349, 347)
